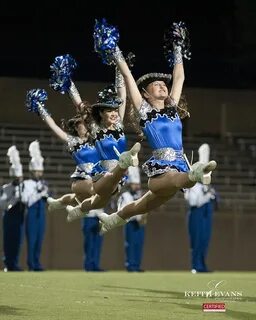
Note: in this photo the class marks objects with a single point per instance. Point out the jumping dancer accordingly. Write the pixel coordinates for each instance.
(159, 107)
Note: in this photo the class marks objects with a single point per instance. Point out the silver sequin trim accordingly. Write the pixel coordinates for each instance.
(87, 167)
(73, 92)
(43, 112)
(72, 141)
(168, 154)
(177, 55)
(119, 79)
(154, 171)
(118, 56)
(95, 128)
(147, 108)
(144, 109)
(80, 174)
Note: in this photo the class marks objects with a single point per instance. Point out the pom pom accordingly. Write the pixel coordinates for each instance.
(177, 35)
(34, 98)
(106, 38)
(62, 70)
(60, 83)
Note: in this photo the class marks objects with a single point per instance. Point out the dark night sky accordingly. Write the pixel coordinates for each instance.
(223, 38)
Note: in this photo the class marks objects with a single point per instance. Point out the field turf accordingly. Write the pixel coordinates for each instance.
(74, 295)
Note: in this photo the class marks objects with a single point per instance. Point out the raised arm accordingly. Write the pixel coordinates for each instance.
(106, 38)
(35, 100)
(75, 96)
(177, 46)
(121, 92)
(130, 83)
(178, 75)
(45, 116)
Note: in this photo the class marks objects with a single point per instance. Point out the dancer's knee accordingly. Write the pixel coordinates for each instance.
(82, 192)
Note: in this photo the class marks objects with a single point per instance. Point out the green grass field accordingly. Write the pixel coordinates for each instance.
(66, 295)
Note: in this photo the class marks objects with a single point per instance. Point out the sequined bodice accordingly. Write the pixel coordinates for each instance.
(163, 128)
(82, 152)
(106, 139)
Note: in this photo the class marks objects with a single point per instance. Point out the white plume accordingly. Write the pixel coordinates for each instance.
(36, 162)
(34, 149)
(14, 159)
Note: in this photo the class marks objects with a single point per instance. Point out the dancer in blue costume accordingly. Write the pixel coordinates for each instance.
(110, 141)
(81, 143)
(158, 109)
(75, 134)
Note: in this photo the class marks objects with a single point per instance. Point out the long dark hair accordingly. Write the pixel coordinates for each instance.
(83, 115)
(96, 114)
(132, 120)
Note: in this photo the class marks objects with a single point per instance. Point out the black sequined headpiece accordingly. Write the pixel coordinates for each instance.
(107, 98)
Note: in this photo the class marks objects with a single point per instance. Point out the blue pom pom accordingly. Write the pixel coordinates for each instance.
(60, 83)
(106, 38)
(62, 70)
(34, 97)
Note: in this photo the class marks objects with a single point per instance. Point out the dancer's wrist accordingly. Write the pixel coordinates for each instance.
(118, 55)
(43, 112)
(119, 79)
(177, 55)
(74, 94)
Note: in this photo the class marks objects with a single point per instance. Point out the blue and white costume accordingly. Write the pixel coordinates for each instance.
(105, 141)
(134, 230)
(92, 243)
(34, 195)
(134, 233)
(200, 200)
(13, 223)
(11, 202)
(85, 156)
(163, 129)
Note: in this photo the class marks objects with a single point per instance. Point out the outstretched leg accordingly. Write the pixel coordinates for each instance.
(149, 201)
(162, 188)
(106, 185)
(61, 203)
(81, 189)
(172, 180)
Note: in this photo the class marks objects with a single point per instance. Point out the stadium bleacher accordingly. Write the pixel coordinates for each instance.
(234, 178)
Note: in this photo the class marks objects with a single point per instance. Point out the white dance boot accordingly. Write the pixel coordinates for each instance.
(201, 172)
(130, 158)
(109, 221)
(54, 204)
(74, 213)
